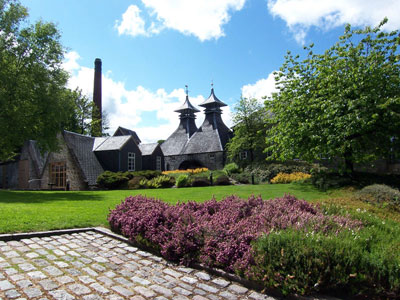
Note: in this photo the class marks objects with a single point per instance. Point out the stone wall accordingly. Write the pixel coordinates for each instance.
(380, 166)
(74, 176)
(9, 175)
(211, 160)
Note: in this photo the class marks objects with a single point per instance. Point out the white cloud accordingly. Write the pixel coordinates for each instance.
(71, 61)
(300, 15)
(126, 107)
(262, 88)
(204, 19)
(131, 24)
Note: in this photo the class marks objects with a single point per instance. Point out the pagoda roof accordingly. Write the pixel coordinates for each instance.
(212, 99)
(187, 106)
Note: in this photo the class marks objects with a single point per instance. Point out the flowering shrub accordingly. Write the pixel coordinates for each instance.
(189, 171)
(265, 172)
(287, 178)
(218, 233)
(283, 243)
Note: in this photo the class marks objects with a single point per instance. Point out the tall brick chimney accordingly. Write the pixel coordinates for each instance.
(97, 113)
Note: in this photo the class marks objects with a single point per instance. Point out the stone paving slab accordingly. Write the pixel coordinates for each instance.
(90, 265)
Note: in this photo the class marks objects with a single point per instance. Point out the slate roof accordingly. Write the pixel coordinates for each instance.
(110, 143)
(212, 136)
(175, 142)
(124, 131)
(212, 99)
(187, 106)
(148, 149)
(38, 158)
(80, 147)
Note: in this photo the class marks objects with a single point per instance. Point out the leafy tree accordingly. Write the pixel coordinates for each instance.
(249, 129)
(80, 110)
(344, 103)
(32, 81)
(98, 125)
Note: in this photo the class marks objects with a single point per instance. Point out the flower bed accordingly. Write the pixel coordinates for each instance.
(188, 171)
(288, 178)
(283, 243)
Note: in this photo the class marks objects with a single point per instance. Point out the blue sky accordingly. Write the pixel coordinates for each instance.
(152, 48)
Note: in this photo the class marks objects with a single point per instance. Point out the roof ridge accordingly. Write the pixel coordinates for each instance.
(102, 137)
(129, 137)
(79, 134)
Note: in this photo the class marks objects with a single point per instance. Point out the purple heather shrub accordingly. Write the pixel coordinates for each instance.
(218, 233)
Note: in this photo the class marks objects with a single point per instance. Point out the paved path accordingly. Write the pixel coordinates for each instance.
(91, 266)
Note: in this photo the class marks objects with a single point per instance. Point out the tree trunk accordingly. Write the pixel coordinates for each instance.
(251, 156)
(348, 162)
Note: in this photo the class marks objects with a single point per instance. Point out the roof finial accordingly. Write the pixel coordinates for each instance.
(187, 90)
(212, 83)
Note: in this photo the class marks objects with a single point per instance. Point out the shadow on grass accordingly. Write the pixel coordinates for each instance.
(46, 196)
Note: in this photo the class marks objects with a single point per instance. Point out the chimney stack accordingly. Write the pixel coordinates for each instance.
(97, 115)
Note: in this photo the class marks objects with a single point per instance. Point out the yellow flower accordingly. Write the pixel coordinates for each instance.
(287, 178)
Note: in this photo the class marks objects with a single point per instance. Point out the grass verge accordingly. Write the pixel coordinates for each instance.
(23, 211)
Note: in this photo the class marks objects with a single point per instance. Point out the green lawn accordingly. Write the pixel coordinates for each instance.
(22, 211)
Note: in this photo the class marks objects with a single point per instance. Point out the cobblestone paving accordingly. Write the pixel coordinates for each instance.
(93, 266)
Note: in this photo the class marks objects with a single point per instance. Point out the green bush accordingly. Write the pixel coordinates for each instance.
(362, 179)
(113, 180)
(200, 181)
(231, 168)
(134, 183)
(162, 181)
(244, 178)
(324, 178)
(148, 174)
(381, 195)
(183, 181)
(349, 263)
(222, 180)
(119, 180)
(265, 172)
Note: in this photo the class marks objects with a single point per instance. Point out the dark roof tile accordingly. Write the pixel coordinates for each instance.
(111, 143)
(125, 131)
(81, 148)
(148, 149)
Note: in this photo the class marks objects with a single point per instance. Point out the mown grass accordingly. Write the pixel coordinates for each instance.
(23, 211)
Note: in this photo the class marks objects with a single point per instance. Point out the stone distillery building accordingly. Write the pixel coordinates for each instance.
(81, 159)
(191, 147)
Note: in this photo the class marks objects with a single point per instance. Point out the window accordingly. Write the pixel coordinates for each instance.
(158, 163)
(131, 161)
(243, 155)
(212, 157)
(58, 174)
